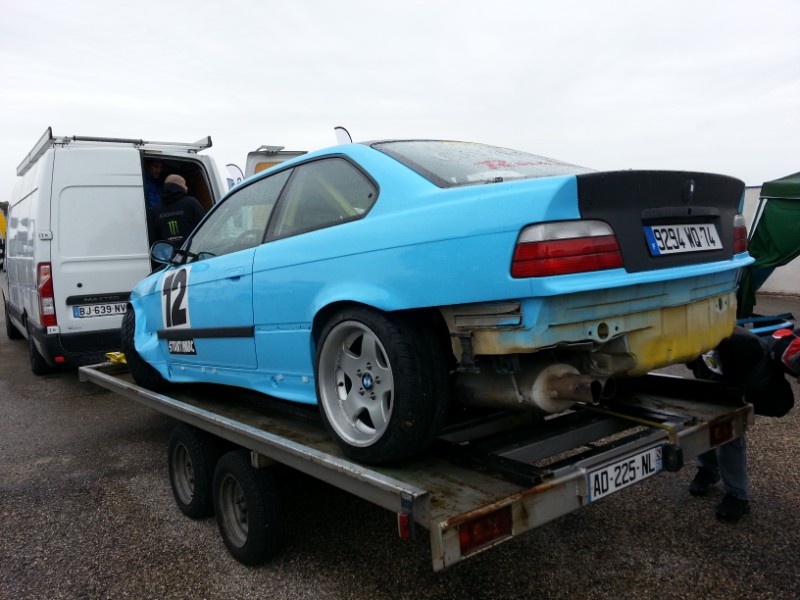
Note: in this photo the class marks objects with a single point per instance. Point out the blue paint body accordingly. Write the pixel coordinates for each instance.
(418, 246)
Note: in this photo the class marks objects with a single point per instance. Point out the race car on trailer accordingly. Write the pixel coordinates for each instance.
(392, 282)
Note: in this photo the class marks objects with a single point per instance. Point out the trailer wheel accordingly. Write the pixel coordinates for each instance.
(143, 373)
(39, 365)
(11, 331)
(247, 509)
(381, 383)
(192, 457)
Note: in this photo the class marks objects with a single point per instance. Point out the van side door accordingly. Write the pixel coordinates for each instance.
(99, 243)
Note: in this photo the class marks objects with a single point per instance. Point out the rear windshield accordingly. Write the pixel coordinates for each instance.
(449, 164)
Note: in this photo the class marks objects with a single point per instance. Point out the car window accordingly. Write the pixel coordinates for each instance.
(323, 193)
(239, 222)
(449, 164)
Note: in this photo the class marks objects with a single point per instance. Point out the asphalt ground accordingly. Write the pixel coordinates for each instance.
(86, 512)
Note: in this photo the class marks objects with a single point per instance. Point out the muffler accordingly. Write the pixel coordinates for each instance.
(549, 389)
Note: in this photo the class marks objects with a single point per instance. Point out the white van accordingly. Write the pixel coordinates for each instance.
(77, 239)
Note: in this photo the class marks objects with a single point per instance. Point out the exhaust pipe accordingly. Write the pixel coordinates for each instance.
(548, 389)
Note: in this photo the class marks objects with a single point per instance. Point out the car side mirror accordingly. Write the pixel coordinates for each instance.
(162, 252)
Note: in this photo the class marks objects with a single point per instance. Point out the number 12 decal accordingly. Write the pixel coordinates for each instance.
(174, 298)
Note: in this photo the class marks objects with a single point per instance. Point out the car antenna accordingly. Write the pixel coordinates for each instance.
(342, 135)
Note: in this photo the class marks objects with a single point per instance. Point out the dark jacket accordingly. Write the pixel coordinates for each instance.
(174, 218)
(746, 360)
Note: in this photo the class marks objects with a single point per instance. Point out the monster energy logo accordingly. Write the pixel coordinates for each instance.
(173, 227)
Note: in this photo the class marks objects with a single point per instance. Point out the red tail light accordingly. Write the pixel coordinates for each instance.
(480, 532)
(739, 234)
(47, 301)
(565, 247)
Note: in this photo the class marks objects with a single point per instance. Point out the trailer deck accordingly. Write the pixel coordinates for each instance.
(491, 475)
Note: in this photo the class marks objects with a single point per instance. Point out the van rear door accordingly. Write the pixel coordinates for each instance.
(99, 249)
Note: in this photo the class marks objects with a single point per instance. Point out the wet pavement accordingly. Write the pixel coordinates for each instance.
(86, 512)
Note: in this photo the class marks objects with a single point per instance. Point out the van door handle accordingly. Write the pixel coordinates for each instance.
(234, 273)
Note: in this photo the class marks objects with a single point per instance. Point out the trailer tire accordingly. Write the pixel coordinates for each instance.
(143, 374)
(38, 364)
(247, 509)
(192, 458)
(382, 384)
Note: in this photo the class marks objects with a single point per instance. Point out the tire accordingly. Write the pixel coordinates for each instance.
(382, 384)
(247, 509)
(192, 458)
(11, 331)
(38, 364)
(143, 374)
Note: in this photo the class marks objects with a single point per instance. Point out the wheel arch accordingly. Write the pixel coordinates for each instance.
(429, 317)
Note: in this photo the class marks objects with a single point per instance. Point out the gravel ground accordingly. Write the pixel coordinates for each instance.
(86, 512)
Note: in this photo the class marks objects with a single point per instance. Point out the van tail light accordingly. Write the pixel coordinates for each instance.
(739, 234)
(565, 247)
(47, 301)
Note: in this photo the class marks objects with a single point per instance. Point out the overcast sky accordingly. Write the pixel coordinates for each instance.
(711, 85)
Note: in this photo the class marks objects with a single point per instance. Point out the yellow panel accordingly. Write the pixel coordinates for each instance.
(265, 165)
(682, 333)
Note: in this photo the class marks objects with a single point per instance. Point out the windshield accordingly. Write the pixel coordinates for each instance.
(448, 164)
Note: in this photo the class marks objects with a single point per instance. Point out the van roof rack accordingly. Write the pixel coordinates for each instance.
(47, 141)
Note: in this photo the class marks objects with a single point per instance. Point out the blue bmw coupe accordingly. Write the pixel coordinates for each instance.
(385, 281)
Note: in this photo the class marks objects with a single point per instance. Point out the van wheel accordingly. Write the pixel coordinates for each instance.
(11, 331)
(143, 374)
(39, 365)
(193, 455)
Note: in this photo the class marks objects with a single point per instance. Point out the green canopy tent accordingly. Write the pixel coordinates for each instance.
(774, 237)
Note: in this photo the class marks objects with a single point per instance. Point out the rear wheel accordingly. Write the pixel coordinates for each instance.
(143, 373)
(11, 331)
(192, 457)
(247, 509)
(381, 384)
(38, 364)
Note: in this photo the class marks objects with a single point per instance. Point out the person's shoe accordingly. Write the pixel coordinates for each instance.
(702, 482)
(731, 509)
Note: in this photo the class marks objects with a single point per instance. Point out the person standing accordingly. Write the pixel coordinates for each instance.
(177, 214)
(152, 183)
(757, 366)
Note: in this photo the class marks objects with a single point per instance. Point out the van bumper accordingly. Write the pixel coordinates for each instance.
(76, 349)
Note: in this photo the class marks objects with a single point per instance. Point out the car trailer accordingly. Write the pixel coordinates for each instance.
(490, 476)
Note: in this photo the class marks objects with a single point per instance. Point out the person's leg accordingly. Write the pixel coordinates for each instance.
(733, 469)
(708, 462)
(708, 473)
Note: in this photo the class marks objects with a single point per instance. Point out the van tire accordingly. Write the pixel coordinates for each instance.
(11, 331)
(39, 365)
(143, 374)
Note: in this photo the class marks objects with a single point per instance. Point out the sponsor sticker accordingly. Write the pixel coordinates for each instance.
(181, 347)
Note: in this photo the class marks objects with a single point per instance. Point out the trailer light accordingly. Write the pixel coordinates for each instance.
(482, 531)
(405, 526)
(719, 433)
(565, 247)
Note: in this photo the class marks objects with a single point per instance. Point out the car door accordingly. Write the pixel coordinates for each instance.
(207, 305)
